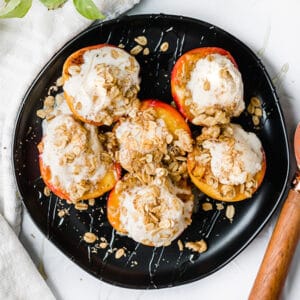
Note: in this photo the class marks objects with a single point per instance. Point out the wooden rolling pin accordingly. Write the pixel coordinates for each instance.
(274, 267)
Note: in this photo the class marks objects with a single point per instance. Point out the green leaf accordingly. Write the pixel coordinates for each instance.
(15, 8)
(88, 9)
(53, 4)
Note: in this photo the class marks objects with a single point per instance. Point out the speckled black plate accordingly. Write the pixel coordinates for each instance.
(156, 267)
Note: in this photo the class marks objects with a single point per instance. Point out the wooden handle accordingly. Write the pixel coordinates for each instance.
(274, 267)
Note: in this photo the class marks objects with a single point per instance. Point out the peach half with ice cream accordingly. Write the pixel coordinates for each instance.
(227, 163)
(101, 83)
(73, 162)
(153, 213)
(207, 86)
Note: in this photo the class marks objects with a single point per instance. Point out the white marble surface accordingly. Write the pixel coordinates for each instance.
(271, 29)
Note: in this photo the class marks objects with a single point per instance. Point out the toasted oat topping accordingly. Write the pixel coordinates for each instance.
(81, 206)
(136, 50)
(255, 110)
(146, 51)
(91, 202)
(219, 206)
(230, 212)
(206, 206)
(180, 245)
(53, 106)
(183, 141)
(255, 120)
(103, 245)
(164, 47)
(47, 191)
(140, 136)
(141, 40)
(59, 81)
(119, 253)
(90, 237)
(147, 148)
(198, 246)
(63, 212)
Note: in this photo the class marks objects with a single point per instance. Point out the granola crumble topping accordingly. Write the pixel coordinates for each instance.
(148, 148)
(198, 246)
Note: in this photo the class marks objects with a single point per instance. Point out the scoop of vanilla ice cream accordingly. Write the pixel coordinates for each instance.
(154, 214)
(230, 164)
(87, 84)
(216, 81)
(138, 138)
(68, 149)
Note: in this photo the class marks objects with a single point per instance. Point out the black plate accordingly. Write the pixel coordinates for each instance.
(157, 267)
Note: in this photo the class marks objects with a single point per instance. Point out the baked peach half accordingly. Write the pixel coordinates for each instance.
(73, 162)
(227, 163)
(101, 83)
(152, 136)
(207, 86)
(172, 118)
(153, 213)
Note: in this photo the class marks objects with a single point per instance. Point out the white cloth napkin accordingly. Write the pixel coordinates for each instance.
(25, 47)
(19, 278)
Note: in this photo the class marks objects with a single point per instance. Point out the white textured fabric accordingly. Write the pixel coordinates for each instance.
(19, 278)
(35, 38)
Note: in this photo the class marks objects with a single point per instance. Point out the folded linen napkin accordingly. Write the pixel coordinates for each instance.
(26, 45)
(19, 278)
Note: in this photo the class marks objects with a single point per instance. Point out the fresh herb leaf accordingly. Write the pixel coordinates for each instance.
(15, 8)
(88, 9)
(53, 4)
